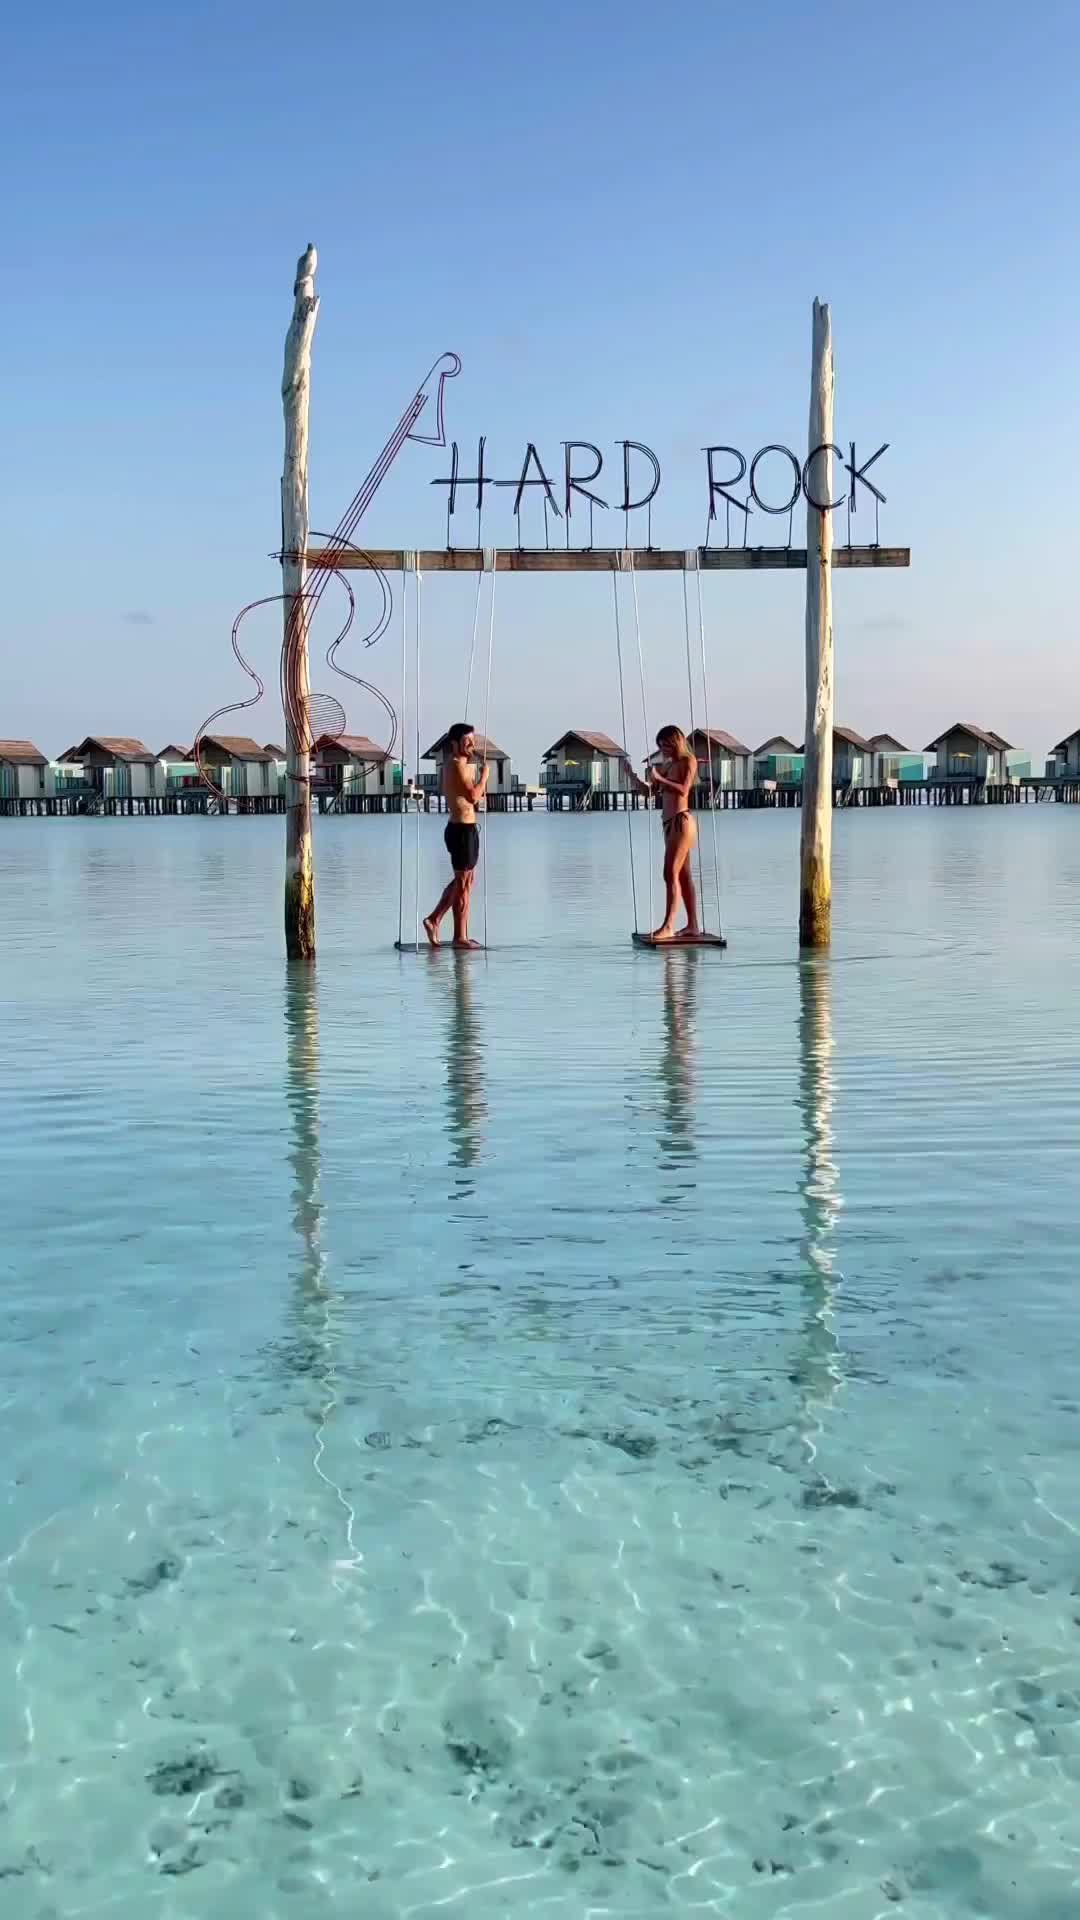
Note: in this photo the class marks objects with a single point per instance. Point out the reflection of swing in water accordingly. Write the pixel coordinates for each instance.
(466, 1106)
(677, 1060)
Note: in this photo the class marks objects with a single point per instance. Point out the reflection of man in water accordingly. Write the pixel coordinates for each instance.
(464, 1072)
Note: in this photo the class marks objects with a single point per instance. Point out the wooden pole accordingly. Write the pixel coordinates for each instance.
(815, 879)
(295, 398)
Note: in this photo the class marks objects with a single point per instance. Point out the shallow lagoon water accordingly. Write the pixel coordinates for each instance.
(571, 1432)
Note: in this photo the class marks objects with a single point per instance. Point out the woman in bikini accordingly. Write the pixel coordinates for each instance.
(675, 777)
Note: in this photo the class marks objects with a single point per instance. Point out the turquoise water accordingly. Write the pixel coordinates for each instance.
(578, 1432)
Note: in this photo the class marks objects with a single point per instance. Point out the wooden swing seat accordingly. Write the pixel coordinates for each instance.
(442, 946)
(680, 940)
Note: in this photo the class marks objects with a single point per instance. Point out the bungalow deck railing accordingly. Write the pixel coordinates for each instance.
(573, 779)
(783, 769)
(903, 766)
(71, 785)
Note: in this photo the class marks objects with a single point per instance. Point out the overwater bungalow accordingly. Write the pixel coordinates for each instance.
(724, 763)
(348, 768)
(1066, 757)
(240, 767)
(182, 776)
(965, 752)
(584, 759)
(281, 761)
(853, 758)
(498, 759)
(777, 762)
(892, 761)
(116, 767)
(24, 771)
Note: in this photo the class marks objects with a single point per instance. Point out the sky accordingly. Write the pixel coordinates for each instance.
(619, 217)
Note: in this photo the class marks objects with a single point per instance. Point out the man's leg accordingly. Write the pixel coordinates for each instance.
(438, 913)
(462, 904)
(461, 908)
(446, 898)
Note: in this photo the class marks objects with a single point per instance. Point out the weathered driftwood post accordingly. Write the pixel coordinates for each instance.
(815, 890)
(295, 397)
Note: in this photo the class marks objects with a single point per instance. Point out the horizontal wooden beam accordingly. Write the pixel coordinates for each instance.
(605, 559)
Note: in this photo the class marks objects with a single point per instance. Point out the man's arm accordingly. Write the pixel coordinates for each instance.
(481, 780)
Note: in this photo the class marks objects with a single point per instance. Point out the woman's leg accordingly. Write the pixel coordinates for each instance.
(672, 869)
(689, 894)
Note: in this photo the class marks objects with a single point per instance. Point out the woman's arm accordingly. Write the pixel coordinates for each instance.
(643, 786)
(685, 778)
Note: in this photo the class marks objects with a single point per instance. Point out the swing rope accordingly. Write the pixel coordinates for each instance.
(712, 793)
(416, 877)
(644, 724)
(626, 749)
(404, 702)
(472, 649)
(487, 705)
(708, 740)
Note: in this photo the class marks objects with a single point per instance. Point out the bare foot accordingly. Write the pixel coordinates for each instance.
(467, 946)
(663, 933)
(431, 928)
(689, 933)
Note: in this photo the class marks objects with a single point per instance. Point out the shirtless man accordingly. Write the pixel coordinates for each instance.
(674, 777)
(463, 788)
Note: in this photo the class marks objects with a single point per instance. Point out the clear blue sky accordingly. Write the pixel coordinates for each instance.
(619, 216)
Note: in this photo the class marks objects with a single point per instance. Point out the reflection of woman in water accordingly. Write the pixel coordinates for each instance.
(464, 1072)
(677, 1059)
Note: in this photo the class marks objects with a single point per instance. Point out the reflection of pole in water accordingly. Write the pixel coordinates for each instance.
(818, 1370)
(308, 1350)
(310, 1353)
(464, 1069)
(677, 1134)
